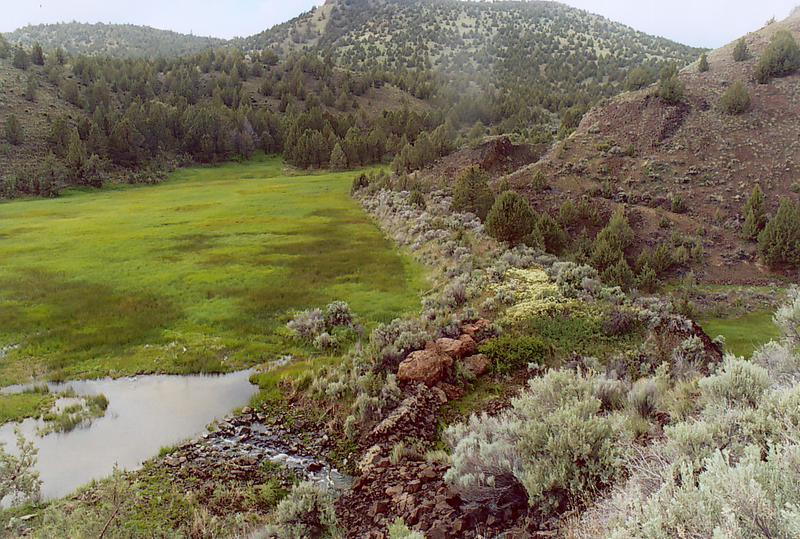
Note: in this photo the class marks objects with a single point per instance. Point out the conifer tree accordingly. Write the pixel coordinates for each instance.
(472, 193)
(511, 218)
(21, 59)
(37, 55)
(76, 156)
(702, 66)
(740, 52)
(755, 212)
(779, 242)
(338, 158)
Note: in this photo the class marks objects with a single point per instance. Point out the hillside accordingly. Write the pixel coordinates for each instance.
(117, 40)
(684, 171)
(543, 57)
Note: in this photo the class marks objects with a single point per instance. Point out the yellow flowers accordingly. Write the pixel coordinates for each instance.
(531, 294)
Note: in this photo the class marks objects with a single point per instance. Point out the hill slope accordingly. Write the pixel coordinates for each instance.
(542, 56)
(687, 169)
(118, 40)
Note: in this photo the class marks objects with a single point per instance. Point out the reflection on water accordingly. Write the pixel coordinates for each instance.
(144, 414)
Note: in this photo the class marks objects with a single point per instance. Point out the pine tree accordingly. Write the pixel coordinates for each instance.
(779, 242)
(740, 52)
(647, 281)
(37, 55)
(702, 66)
(755, 212)
(620, 274)
(472, 193)
(338, 158)
(511, 218)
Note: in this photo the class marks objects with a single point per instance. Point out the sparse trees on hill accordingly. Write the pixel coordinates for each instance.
(472, 193)
(511, 218)
(740, 52)
(736, 99)
(779, 242)
(781, 57)
(702, 66)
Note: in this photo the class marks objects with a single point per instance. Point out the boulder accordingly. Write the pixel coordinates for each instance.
(478, 364)
(426, 366)
(459, 348)
(478, 330)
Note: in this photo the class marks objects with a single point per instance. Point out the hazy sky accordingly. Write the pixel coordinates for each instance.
(709, 23)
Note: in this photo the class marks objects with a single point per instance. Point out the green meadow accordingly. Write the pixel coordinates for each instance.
(745, 333)
(197, 274)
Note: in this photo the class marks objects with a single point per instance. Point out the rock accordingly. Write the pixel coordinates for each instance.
(426, 366)
(478, 330)
(478, 364)
(440, 394)
(457, 348)
(452, 392)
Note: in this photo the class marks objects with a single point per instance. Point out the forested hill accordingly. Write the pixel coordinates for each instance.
(117, 40)
(543, 57)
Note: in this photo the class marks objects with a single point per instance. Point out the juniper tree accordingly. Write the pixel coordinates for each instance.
(736, 99)
(755, 212)
(511, 218)
(779, 242)
(781, 57)
(21, 59)
(702, 66)
(472, 193)
(37, 55)
(740, 52)
(338, 158)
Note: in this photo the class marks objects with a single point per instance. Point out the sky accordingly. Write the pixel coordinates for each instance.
(706, 23)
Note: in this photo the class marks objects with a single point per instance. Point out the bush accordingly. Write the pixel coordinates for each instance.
(779, 242)
(338, 314)
(781, 57)
(787, 317)
(359, 182)
(21, 59)
(308, 324)
(472, 193)
(736, 99)
(620, 274)
(740, 52)
(554, 238)
(738, 382)
(306, 512)
(553, 443)
(509, 353)
(638, 78)
(417, 199)
(511, 218)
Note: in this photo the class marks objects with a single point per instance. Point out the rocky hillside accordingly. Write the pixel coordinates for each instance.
(686, 169)
(118, 40)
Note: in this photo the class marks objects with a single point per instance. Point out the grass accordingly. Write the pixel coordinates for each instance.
(198, 274)
(20, 406)
(745, 333)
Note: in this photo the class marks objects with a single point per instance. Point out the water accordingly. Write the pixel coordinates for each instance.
(144, 414)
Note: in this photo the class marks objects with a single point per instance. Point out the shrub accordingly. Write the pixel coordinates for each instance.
(620, 274)
(539, 182)
(740, 52)
(780, 58)
(509, 353)
(399, 530)
(787, 317)
(308, 324)
(472, 193)
(306, 512)
(553, 443)
(510, 219)
(678, 204)
(738, 382)
(417, 199)
(755, 212)
(779, 242)
(21, 59)
(359, 182)
(611, 242)
(736, 99)
(570, 277)
(702, 65)
(338, 314)
(647, 280)
(644, 398)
